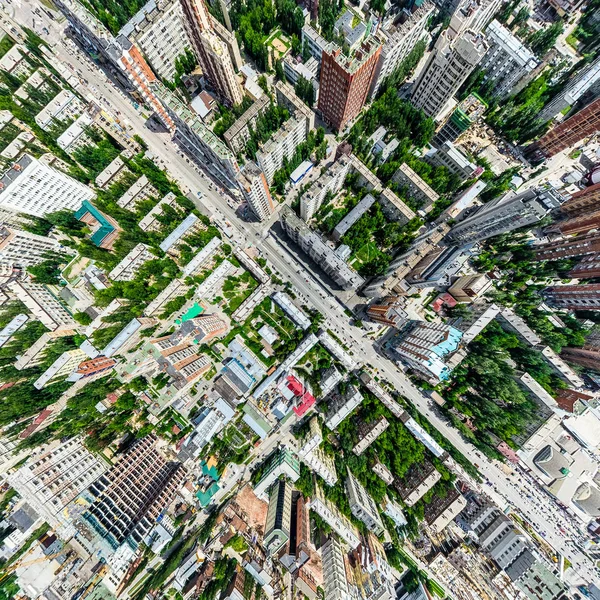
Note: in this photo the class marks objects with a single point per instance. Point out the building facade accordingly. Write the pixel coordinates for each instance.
(19, 248)
(574, 297)
(467, 113)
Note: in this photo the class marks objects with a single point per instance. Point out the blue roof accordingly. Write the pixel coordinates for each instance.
(450, 344)
(106, 227)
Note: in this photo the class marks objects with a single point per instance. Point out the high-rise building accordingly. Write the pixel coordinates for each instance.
(279, 515)
(281, 462)
(449, 65)
(588, 78)
(281, 146)
(583, 202)
(20, 248)
(212, 52)
(256, 191)
(467, 113)
(588, 356)
(584, 123)
(42, 304)
(575, 225)
(345, 82)
(568, 247)
(399, 39)
(507, 61)
(388, 311)
(34, 188)
(449, 156)
(311, 243)
(505, 214)
(126, 501)
(362, 506)
(52, 477)
(587, 268)
(574, 297)
(157, 30)
(335, 571)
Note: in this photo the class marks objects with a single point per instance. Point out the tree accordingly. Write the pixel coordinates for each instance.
(47, 271)
(541, 41)
(279, 73)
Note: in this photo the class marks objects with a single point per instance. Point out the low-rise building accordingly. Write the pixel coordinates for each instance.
(16, 63)
(415, 188)
(368, 433)
(65, 106)
(419, 479)
(76, 135)
(340, 405)
(151, 221)
(104, 229)
(441, 511)
(447, 155)
(141, 190)
(63, 366)
(127, 269)
(113, 173)
(354, 215)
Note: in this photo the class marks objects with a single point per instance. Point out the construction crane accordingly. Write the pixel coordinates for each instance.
(18, 565)
(93, 583)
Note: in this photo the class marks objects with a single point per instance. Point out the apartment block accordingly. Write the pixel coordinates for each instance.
(311, 243)
(329, 183)
(588, 356)
(581, 203)
(316, 43)
(582, 124)
(42, 304)
(399, 38)
(354, 215)
(112, 174)
(114, 125)
(449, 156)
(587, 268)
(238, 134)
(127, 269)
(254, 186)
(389, 311)
(334, 518)
(335, 571)
(33, 188)
(65, 106)
(151, 221)
(417, 482)
(62, 367)
(286, 96)
(157, 30)
(15, 62)
(282, 145)
(34, 355)
(197, 140)
(141, 190)
(441, 511)
(53, 476)
(507, 61)
(340, 405)
(76, 135)
(345, 82)
(368, 433)
(468, 288)
(363, 507)
(125, 502)
(584, 81)
(450, 63)
(19, 248)
(92, 367)
(574, 297)
(279, 514)
(415, 188)
(505, 214)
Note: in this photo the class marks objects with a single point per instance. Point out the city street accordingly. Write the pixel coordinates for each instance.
(514, 490)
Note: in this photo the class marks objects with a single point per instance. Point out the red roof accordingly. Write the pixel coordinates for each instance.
(35, 423)
(443, 300)
(307, 400)
(566, 399)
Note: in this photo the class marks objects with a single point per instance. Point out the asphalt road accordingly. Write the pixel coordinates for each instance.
(540, 511)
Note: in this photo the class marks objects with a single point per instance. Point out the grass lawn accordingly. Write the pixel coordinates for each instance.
(363, 255)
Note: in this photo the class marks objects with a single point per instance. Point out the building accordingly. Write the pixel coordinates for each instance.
(115, 126)
(441, 511)
(581, 203)
(419, 479)
(581, 245)
(123, 505)
(330, 182)
(157, 30)
(65, 106)
(34, 188)
(424, 346)
(126, 270)
(139, 191)
(399, 38)
(53, 476)
(171, 243)
(113, 173)
(151, 221)
(354, 215)
(325, 257)
(582, 124)
(414, 187)
(449, 65)
(340, 405)
(76, 135)
(470, 287)
(505, 214)
(393, 511)
(574, 297)
(253, 183)
(281, 462)
(338, 522)
(279, 516)
(238, 134)
(94, 366)
(62, 367)
(388, 311)
(368, 433)
(449, 156)
(315, 43)
(588, 356)
(363, 507)
(335, 574)
(507, 60)
(286, 96)
(281, 146)
(19, 248)
(104, 229)
(197, 140)
(14, 61)
(212, 52)
(34, 355)
(466, 113)
(346, 81)
(42, 304)
(586, 80)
